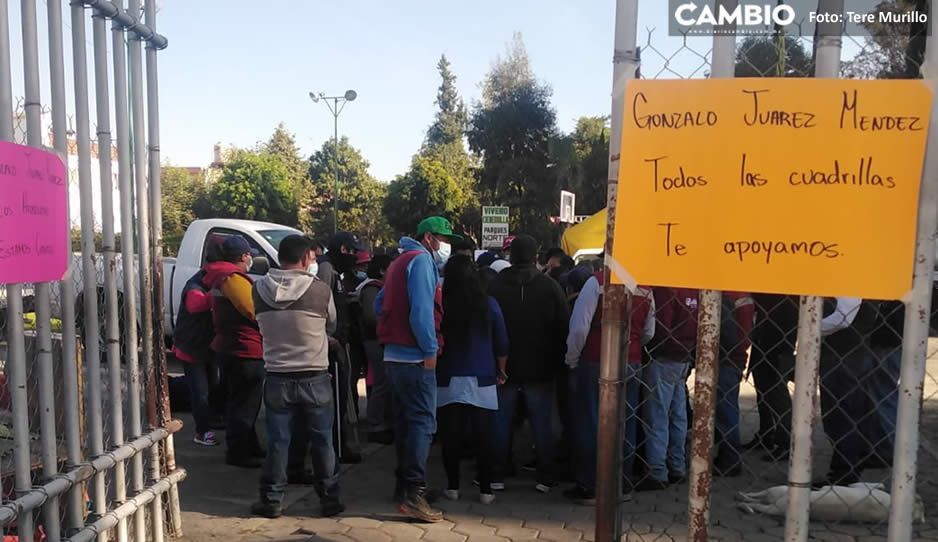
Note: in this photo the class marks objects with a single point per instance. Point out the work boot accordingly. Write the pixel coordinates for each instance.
(416, 506)
(266, 509)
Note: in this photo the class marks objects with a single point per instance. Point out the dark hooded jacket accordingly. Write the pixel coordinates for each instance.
(537, 317)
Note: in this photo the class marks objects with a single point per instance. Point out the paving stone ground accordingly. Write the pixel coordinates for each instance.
(216, 501)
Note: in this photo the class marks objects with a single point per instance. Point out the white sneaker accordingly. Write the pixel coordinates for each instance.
(486, 498)
(544, 487)
(496, 486)
(451, 494)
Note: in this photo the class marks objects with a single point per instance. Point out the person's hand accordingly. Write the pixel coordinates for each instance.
(501, 377)
(429, 363)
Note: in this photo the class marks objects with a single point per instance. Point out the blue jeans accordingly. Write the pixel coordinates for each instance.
(727, 413)
(584, 401)
(414, 391)
(883, 388)
(202, 377)
(633, 394)
(539, 399)
(305, 403)
(666, 418)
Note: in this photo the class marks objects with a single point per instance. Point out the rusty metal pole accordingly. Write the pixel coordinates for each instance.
(706, 365)
(616, 300)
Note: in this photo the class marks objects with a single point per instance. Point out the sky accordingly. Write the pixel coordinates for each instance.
(234, 69)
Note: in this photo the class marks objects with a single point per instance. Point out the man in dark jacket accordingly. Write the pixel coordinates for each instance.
(238, 345)
(537, 317)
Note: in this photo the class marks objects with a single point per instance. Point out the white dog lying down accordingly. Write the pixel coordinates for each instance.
(856, 503)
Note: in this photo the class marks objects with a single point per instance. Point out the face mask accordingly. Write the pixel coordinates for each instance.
(313, 269)
(441, 255)
(361, 275)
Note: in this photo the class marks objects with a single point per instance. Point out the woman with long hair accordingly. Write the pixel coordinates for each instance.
(475, 353)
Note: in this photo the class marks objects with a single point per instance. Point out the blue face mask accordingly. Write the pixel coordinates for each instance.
(361, 275)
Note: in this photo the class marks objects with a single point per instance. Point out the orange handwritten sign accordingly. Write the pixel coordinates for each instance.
(800, 186)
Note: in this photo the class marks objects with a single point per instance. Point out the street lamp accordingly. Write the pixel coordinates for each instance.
(335, 109)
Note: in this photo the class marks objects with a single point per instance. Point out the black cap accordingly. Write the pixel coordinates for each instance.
(345, 239)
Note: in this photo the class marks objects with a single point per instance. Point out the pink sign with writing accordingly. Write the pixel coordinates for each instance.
(33, 215)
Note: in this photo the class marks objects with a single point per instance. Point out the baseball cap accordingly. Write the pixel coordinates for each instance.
(436, 225)
(362, 257)
(234, 246)
(506, 244)
(486, 259)
(345, 239)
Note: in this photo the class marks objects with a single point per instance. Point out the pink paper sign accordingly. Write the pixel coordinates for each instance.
(33, 215)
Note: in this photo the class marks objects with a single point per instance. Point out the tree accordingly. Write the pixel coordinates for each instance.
(893, 50)
(181, 195)
(772, 56)
(254, 186)
(581, 162)
(440, 180)
(282, 144)
(360, 194)
(511, 130)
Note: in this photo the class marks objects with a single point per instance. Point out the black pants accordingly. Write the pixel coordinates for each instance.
(202, 377)
(453, 419)
(845, 408)
(245, 382)
(772, 399)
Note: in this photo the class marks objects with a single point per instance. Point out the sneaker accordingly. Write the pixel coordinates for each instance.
(332, 508)
(580, 496)
(205, 439)
(486, 498)
(545, 487)
(417, 507)
(495, 486)
(529, 467)
(266, 509)
(451, 494)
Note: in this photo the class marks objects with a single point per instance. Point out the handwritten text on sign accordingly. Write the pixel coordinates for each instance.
(806, 186)
(33, 215)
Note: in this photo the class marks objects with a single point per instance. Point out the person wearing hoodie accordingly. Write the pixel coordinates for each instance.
(238, 344)
(295, 313)
(537, 317)
(410, 310)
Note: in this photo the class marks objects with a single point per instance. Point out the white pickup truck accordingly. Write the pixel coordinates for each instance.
(263, 237)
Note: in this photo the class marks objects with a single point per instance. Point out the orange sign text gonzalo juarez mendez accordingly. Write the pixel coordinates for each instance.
(798, 186)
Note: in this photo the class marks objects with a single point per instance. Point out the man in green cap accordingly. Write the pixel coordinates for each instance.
(409, 310)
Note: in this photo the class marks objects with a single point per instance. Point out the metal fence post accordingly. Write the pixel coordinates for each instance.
(131, 290)
(616, 300)
(797, 517)
(112, 310)
(16, 345)
(89, 273)
(700, 477)
(75, 515)
(915, 330)
(44, 363)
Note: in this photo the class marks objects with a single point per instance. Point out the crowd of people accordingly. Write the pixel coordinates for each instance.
(463, 347)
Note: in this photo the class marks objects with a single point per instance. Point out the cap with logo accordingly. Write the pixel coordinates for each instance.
(235, 246)
(437, 225)
(345, 239)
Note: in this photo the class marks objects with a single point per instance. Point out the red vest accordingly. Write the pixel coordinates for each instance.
(394, 320)
(640, 306)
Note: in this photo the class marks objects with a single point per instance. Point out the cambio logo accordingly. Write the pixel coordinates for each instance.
(748, 15)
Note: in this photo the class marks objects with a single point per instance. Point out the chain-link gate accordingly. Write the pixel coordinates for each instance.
(734, 399)
(86, 448)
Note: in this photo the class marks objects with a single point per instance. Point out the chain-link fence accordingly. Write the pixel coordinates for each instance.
(92, 458)
(850, 415)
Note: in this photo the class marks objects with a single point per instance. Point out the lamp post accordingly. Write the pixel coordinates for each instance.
(335, 107)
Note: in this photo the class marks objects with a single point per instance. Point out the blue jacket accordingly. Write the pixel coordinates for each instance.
(475, 352)
(422, 283)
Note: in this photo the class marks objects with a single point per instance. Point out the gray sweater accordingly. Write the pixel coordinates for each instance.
(296, 314)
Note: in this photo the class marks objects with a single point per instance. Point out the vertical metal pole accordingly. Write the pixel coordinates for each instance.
(75, 510)
(44, 363)
(161, 378)
(131, 291)
(915, 335)
(135, 54)
(335, 141)
(112, 311)
(616, 300)
(16, 345)
(89, 273)
(706, 365)
(827, 64)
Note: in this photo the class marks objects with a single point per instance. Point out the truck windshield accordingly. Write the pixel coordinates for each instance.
(275, 236)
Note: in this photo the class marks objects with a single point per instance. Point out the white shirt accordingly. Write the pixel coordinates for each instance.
(582, 319)
(842, 317)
